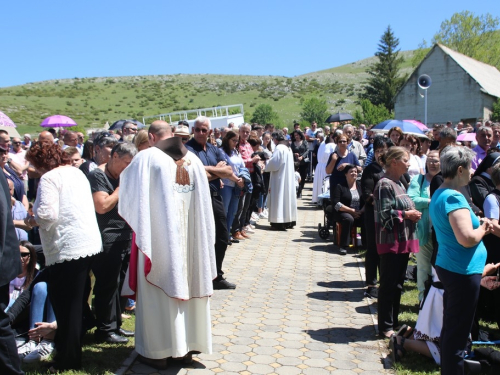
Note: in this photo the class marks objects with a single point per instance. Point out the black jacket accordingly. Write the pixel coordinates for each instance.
(480, 187)
(10, 261)
(342, 194)
(302, 150)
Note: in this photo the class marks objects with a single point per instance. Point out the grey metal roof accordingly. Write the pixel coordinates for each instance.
(487, 76)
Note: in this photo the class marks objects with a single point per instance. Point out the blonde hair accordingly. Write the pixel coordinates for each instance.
(394, 153)
(140, 138)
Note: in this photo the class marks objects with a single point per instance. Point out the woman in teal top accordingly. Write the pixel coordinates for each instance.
(419, 193)
(461, 255)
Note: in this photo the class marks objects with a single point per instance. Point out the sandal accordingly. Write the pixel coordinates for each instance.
(395, 348)
(402, 330)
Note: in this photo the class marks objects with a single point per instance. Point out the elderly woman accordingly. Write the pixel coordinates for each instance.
(10, 174)
(371, 175)
(348, 205)
(339, 159)
(102, 146)
(70, 237)
(481, 184)
(300, 151)
(395, 229)
(461, 256)
(420, 195)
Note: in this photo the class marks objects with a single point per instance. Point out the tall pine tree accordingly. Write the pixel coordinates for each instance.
(385, 80)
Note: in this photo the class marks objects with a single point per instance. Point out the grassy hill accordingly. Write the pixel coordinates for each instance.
(91, 102)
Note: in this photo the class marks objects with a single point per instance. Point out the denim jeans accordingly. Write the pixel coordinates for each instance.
(40, 309)
(230, 204)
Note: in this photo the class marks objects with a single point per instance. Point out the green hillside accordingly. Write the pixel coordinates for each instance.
(92, 102)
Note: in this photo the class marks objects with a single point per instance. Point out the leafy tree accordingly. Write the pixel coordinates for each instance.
(474, 36)
(385, 79)
(495, 115)
(264, 114)
(314, 109)
(371, 114)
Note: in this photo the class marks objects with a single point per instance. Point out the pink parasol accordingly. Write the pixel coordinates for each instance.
(6, 121)
(419, 125)
(58, 121)
(467, 137)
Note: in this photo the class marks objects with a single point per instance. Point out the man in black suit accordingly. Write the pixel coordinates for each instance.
(10, 267)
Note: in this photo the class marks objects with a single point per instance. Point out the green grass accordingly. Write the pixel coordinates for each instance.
(92, 102)
(98, 359)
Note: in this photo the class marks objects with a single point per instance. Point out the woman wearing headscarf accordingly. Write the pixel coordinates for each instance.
(481, 184)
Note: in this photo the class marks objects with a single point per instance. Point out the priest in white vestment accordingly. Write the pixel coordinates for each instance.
(325, 149)
(165, 198)
(281, 198)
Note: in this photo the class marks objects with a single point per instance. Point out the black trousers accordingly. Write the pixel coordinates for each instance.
(221, 233)
(108, 268)
(392, 276)
(303, 169)
(240, 219)
(9, 360)
(461, 293)
(66, 289)
(347, 221)
(372, 260)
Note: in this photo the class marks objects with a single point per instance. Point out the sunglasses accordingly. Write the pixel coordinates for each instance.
(133, 129)
(342, 141)
(16, 143)
(25, 255)
(198, 130)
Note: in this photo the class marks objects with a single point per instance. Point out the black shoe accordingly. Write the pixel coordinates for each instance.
(343, 251)
(111, 338)
(223, 284)
(234, 240)
(371, 292)
(125, 333)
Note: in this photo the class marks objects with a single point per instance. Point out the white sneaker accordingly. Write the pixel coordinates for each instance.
(41, 352)
(254, 216)
(263, 215)
(26, 349)
(249, 229)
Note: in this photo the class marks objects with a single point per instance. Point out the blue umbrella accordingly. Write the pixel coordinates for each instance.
(118, 124)
(405, 126)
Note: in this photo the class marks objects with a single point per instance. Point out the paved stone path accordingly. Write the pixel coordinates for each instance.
(298, 309)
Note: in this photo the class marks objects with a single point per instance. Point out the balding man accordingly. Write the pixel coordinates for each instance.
(216, 168)
(70, 139)
(172, 263)
(46, 137)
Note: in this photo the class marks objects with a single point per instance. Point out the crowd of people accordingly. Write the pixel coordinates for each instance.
(431, 196)
(92, 229)
(78, 239)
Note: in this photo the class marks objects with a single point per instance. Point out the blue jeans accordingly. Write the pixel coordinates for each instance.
(230, 204)
(40, 305)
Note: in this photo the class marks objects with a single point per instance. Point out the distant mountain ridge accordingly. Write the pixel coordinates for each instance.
(94, 101)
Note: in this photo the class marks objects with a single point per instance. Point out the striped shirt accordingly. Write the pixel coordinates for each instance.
(393, 233)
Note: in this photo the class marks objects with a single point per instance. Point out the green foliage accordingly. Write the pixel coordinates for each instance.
(495, 115)
(264, 114)
(371, 114)
(314, 109)
(474, 36)
(385, 79)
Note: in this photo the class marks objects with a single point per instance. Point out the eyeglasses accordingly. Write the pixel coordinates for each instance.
(198, 130)
(132, 129)
(342, 142)
(430, 161)
(16, 143)
(25, 255)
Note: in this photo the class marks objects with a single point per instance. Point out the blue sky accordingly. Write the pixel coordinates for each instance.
(43, 40)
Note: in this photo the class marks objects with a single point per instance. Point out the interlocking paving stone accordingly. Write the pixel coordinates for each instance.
(298, 308)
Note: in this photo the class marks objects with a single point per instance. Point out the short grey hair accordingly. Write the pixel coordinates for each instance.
(448, 133)
(453, 157)
(347, 126)
(124, 149)
(246, 125)
(278, 135)
(484, 128)
(203, 120)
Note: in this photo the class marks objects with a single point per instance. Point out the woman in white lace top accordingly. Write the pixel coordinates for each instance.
(70, 237)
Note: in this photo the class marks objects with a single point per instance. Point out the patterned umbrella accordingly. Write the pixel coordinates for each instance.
(6, 121)
(58, 121)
